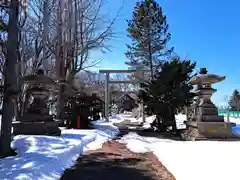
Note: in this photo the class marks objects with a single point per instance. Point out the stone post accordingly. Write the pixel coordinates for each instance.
(107, 97)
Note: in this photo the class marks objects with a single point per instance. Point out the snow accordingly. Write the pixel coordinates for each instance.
(46, 157)
(180, 118)
(188, 160)
(116, 118)
(104, 131)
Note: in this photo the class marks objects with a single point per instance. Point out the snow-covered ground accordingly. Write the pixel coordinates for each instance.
(209, 160)
(119, 118)
(180, 118)
(46, 157)
(186, 160)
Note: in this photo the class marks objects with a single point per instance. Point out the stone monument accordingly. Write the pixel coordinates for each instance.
(36, 120)
(206, 122)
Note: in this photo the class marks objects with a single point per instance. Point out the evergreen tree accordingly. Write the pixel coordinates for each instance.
(148, 30)
(234, 101)
(169, 91)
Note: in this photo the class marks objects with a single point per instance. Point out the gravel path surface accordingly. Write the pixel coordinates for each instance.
(115, 162)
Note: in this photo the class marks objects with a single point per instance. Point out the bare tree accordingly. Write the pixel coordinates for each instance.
(34, 51)
(31, 55)
(78, 29)
(226, 107)
(83, 30)
(123, 87)
(89, 83)
(59, 35)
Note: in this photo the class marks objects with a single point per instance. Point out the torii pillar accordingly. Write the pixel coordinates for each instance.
(139, 72)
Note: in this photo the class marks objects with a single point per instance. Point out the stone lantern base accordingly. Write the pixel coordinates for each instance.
(36, 128)
(207, 130)
(207, 123)
(206, 111)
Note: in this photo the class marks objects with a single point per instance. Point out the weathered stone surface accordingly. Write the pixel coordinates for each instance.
(206, 79)
(209, 118)
(207, 124)
(36, 128)
(36, 120)
(210, 129)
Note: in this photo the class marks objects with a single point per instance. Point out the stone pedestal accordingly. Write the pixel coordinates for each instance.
(207, 124)
(206, 111)
(206, 130)
(36, 128)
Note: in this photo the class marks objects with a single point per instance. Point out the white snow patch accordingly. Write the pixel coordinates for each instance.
(104, 131)
(188, 160)
(232, 119)
(46, 157)
(180, 118)
(136, 143)
(116, 118)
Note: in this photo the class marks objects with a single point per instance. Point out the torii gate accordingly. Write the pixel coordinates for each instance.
(139, 73)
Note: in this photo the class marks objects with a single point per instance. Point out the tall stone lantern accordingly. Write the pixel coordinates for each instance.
(36, 119)
(206, 122)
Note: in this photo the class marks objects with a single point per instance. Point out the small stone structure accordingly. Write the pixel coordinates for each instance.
(128, 101)
(36, 119)
(206, 123)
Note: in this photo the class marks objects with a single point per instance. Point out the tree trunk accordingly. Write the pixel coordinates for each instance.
(174, 124)
(160, 123)
(150, 55)
(10, 82)
(45, 35)
(150, 47)
(60, 103)
(60, 63)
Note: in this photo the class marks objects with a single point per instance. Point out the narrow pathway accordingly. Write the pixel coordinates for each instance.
(115, 162)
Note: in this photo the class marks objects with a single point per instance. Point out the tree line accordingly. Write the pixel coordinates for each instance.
(234, 101)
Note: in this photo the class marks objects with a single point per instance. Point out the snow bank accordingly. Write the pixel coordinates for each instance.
(41, 157)
(46, 157)
(103, 132)
(188, 160)
(232, 119)
(121, 117)
(180, 118)
(116, 118)
(136, 143)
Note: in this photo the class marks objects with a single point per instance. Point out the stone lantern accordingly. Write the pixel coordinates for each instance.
(36, 119)
(207, 122)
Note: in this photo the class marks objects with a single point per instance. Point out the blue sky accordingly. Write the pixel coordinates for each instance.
(205, 31)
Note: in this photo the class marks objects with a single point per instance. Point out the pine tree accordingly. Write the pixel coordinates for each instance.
(148, 31)
(169, 91)
(234, 101)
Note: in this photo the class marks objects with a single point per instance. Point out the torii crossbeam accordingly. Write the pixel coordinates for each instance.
(139, 72)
